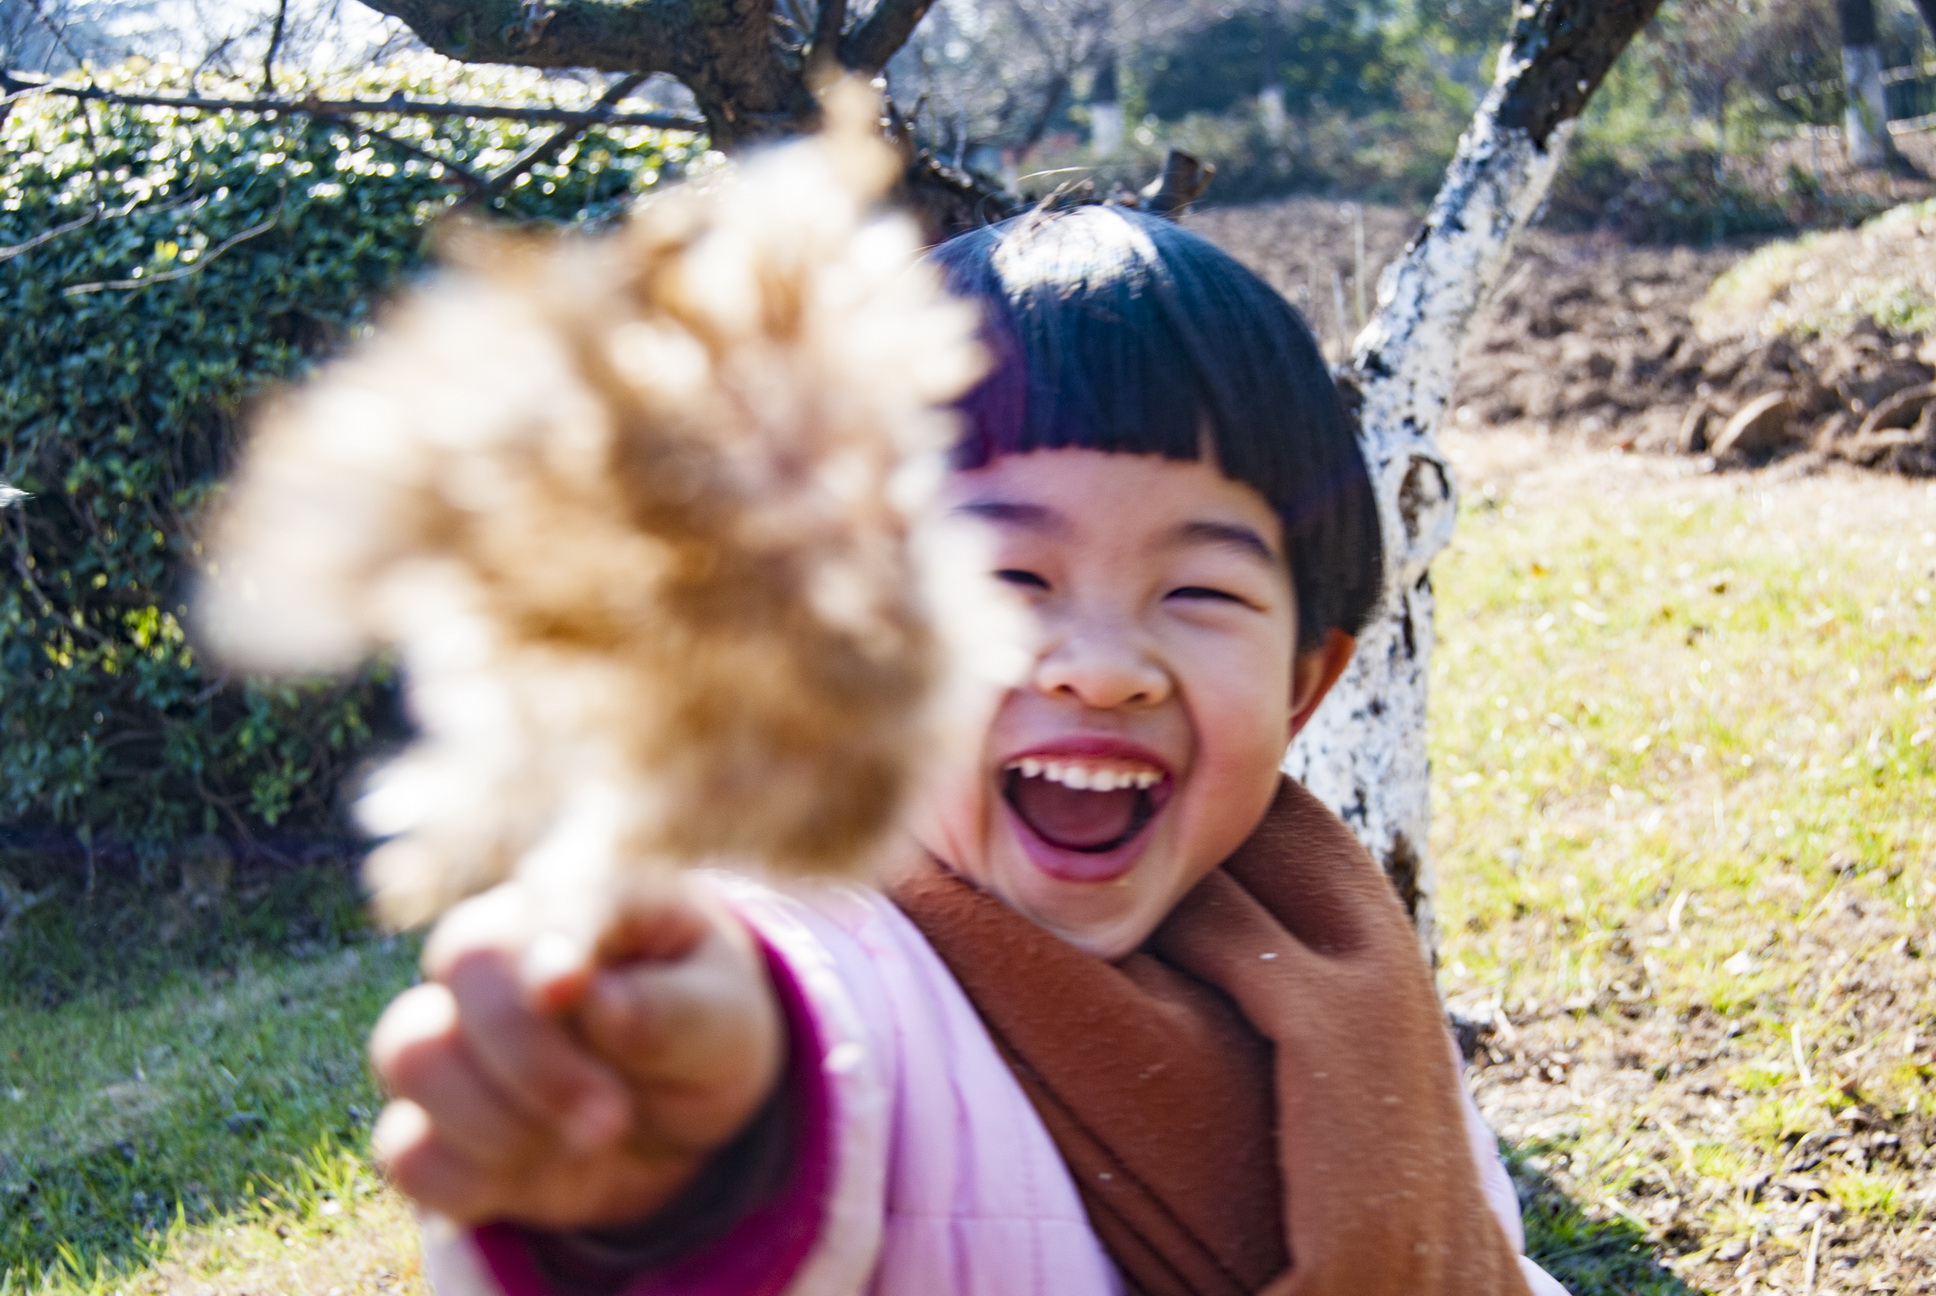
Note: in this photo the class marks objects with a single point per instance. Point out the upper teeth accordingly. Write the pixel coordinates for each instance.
(1087, 776)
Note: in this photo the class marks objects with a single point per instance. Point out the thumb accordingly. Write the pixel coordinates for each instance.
(674, 1021)
(575, 941)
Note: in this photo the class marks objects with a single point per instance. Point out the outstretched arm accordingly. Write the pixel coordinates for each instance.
(542, 1085)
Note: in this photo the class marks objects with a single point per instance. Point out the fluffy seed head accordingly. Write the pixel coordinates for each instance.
(637, 515)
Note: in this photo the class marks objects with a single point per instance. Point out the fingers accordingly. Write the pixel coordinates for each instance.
(418, 1051)
(427, 1169)
(531, 1057)
(559, 964)
(658, 927)
(665, 1022)
(702, 1036)
(479, 951)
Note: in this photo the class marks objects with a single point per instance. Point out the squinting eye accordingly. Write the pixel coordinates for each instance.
(1204, 592)
(1017, 576)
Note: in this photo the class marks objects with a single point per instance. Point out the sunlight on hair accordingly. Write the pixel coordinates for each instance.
(1089, 242)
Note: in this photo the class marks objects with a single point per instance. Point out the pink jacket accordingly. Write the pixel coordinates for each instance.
(924, 1171)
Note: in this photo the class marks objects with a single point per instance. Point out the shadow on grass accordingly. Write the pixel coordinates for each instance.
(123, 936)
(1589, 1257)
(162, 1062)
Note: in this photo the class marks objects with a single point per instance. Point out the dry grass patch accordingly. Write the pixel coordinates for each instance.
(1684, 732)
(1825, 284)
(362, 1242)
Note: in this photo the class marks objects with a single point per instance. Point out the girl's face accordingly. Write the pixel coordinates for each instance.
(1143, 747)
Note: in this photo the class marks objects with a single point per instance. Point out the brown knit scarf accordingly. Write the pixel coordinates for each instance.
(1262, 1098)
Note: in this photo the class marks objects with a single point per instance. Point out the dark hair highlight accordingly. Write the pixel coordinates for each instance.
(1119, 331)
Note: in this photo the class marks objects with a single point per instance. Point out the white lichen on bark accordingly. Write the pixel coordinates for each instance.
(1364, 752)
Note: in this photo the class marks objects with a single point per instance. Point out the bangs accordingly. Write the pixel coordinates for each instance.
(1118, 331)
(1087, 351)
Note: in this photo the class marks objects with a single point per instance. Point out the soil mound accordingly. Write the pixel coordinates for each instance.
(1602, 340)
(1595, 338)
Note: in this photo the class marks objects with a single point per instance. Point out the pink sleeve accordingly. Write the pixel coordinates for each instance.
(1498, 1188)
(761, 1254)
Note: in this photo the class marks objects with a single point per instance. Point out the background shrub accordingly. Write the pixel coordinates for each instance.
(157, 269)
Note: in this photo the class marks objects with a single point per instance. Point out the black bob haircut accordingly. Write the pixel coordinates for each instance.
(1119, 331)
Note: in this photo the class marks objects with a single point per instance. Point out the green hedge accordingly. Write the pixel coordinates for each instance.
(209, 254)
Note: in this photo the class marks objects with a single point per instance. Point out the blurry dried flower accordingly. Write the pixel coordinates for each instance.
(637, 514)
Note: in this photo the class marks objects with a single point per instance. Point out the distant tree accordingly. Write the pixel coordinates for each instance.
(1314, 58)
(1865, 122)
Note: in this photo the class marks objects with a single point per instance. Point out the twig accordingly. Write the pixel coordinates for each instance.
(225, 807)
(1613, 1204)
(1801, 1056)
(874, 39)
(75, 290)
(1814, 1256)
(823, 53)
(57, 31)
(1681, 1141)
(9, 253)
(1181, 182)
(99, 213)
(394, 106)
(47, 609)
(473, 183)
(543, 150)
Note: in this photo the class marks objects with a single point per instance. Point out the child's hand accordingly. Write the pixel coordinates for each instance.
(537, 1085)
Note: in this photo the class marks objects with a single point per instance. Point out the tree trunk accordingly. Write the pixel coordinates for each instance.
(1865, 122)
(1270, 93)
(1106, 109)
(1364, 752)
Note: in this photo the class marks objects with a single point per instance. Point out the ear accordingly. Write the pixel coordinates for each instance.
(1313, 674)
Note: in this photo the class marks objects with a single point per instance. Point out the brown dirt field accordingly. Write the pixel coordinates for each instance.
(1592, 338)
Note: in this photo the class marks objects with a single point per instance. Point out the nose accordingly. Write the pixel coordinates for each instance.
(1102, 667)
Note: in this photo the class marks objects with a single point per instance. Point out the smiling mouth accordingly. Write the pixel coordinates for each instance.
(1089, 807)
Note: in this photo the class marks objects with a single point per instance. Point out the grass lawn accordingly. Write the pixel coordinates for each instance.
(183, 1100)
(1684, 741)
(1685, 769)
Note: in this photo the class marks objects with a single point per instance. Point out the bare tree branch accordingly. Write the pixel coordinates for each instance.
(608, 35)
(47, 236)
(395, 106)
(1568, 49)
(1045, 113)
(748, 85)
(547, 148)
(57, 30)
(874, 39)
(823, 52)
(752, 66)
(201, 263)
(472, 182)
(1182, 182)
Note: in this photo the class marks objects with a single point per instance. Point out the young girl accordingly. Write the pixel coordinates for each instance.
(1133, 1014)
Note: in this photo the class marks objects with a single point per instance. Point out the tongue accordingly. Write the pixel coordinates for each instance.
(1062, 816)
